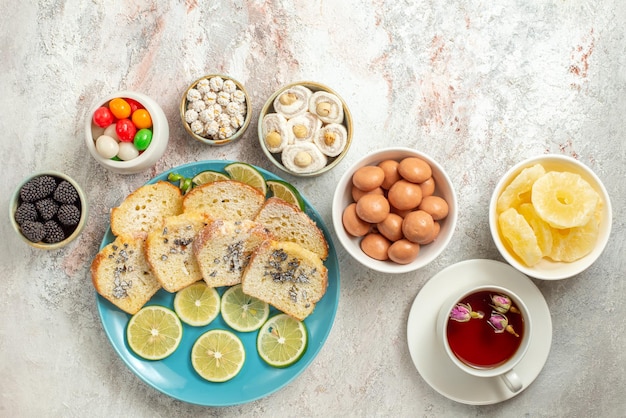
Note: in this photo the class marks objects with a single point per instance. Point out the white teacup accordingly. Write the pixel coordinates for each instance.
(503, 368)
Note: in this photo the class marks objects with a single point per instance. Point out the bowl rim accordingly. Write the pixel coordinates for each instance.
(313, 86)
(159, 124)
(236, 135)
(348, 242)
(554, 270)
(83, 205)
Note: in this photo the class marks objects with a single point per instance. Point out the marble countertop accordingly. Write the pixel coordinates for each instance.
(477, 85)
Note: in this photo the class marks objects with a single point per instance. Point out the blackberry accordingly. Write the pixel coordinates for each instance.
(38, 188)
(25, 212)
(47, 208)
(53, 232)
(68, 215)
(33, 231)
(65, 193)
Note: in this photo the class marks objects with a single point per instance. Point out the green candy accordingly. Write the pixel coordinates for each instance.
(142, 139)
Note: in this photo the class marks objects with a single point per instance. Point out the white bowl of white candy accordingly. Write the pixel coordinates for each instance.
(305, 128)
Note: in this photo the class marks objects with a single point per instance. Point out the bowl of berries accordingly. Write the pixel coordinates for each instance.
(126, 132)
(48, 210)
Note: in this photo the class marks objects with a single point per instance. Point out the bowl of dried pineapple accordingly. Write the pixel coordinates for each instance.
(550, 217)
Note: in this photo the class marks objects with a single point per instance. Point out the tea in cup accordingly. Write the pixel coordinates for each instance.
(486, 332)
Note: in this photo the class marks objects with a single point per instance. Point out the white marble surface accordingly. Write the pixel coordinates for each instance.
(478, 85)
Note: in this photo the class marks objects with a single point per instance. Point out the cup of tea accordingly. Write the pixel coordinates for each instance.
(486, 332)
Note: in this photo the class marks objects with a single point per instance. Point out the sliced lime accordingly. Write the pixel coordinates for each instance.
(218, 355)
(208, 176)
(241, 312)
(282, 340)
(248, 174)
(286, 191)
(197, 304)
(154, 332)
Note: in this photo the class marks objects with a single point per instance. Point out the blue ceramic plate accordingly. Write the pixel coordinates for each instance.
(174, 376)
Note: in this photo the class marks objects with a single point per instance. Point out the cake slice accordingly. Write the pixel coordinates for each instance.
(227, 200)
(288, 223)
(169, 251)
(287, 276)
(144, 208)
(223, 248)
(121, 274)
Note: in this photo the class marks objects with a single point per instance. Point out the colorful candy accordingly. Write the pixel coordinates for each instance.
(103, 117)
(127, 129)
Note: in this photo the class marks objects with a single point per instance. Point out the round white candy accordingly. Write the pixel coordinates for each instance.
(197, 127)
(110, 131)
(229, 86)
(127, 151)
(191, 116)
(197, 105)
(193, 94)
(106, 146)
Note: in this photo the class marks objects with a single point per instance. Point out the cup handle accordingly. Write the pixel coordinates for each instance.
(512, 381)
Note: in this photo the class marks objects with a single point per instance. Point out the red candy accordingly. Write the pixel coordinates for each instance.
(134, 105)
(125, 130)
(103, 117)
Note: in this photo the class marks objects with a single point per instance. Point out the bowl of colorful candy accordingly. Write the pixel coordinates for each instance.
(305, 128)
(215, 109)
(126, 132)
(48, 210)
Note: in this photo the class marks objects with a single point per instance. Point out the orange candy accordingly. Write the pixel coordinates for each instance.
(120, 108)
(141, 118)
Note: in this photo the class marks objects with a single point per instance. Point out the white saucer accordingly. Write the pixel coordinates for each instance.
(428, 354)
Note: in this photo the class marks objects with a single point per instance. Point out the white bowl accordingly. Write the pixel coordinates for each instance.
(547, 269)
(275, 158)
(15, 201)
(149, 157)
(343, 197)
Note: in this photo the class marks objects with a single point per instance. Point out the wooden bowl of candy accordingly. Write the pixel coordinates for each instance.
(126, 132)
(305, 129)
(216, 109)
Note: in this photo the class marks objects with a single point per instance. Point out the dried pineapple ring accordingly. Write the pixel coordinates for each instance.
(518, 191)
(331, 139)
(520, 236)
(303, 127)
(275, 133)
(326, 106)
(293, 101)
(574, 243)
(303, 157)
(564, 199)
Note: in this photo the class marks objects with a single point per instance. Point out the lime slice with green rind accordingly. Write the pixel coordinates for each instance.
(218, 355)
(154, 332)
(208, 176)
(197, 304)
(286, 191)
(241, 312)
(248, 174)
(282, 341)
